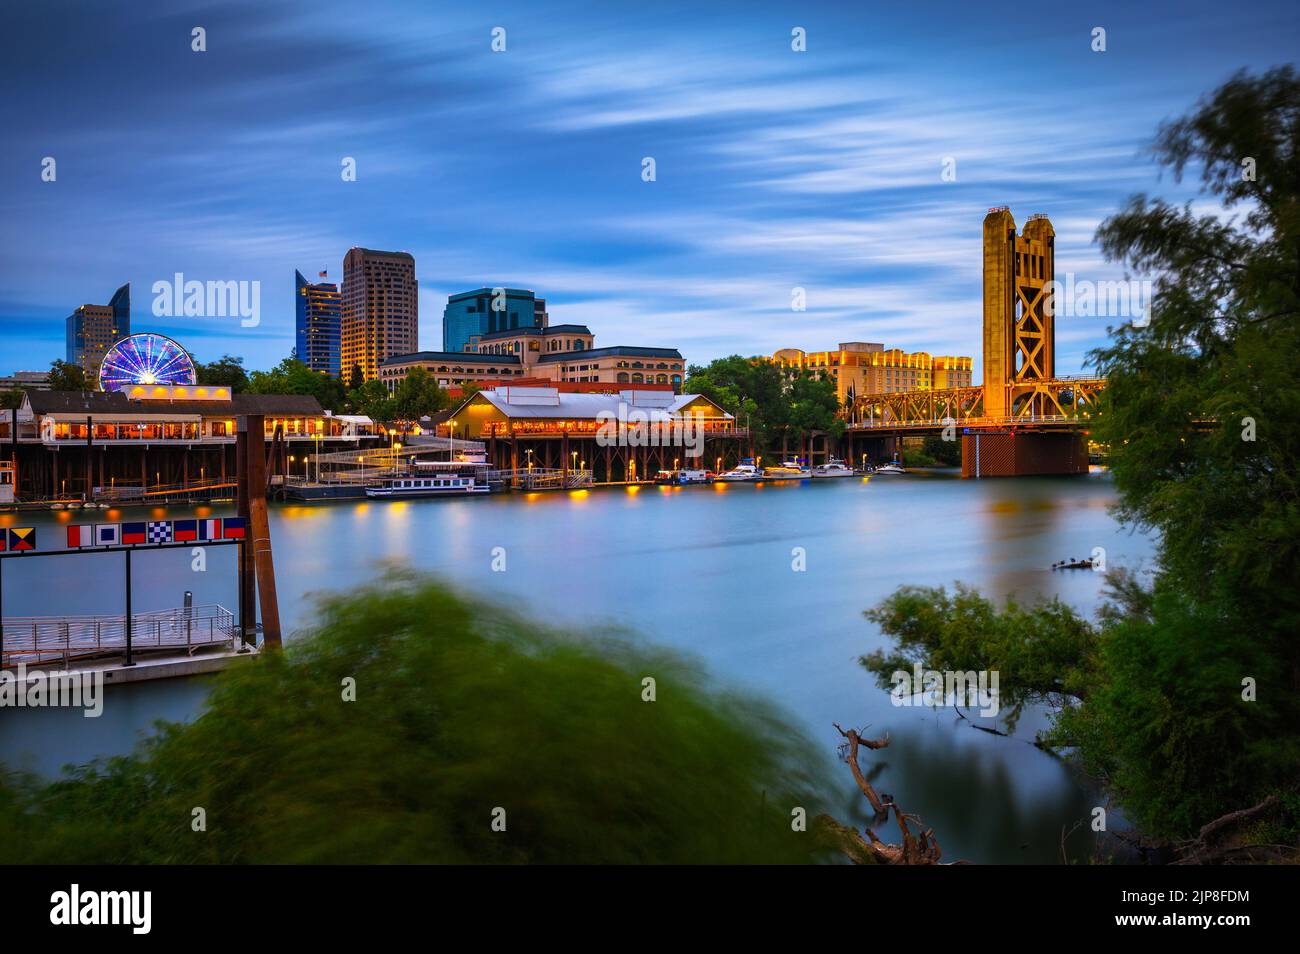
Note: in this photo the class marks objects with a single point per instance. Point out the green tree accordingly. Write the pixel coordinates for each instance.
(291, 376)
(226, 371)
(813, 407)
(460, 707)
(356, 378)
(11, 398)
(946, 453)
(373, 400)
(417, 396)
(1187, 694)
(752, 389)
(65, 376)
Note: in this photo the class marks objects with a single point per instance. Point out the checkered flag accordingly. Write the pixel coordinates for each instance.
(160, 531)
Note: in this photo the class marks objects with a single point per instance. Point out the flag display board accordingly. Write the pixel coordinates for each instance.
(18, 539)
(136, 533)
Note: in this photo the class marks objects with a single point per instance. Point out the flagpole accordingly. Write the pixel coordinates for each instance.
(128, 609)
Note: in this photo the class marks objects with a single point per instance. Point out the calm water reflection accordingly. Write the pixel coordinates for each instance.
(705, 569)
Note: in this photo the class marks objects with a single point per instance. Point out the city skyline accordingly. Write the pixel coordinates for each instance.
(775, 169)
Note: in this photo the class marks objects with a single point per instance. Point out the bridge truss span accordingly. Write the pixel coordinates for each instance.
(1066, 401)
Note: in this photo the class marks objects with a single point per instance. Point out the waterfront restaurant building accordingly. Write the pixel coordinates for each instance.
(556, 428)
(78, 444)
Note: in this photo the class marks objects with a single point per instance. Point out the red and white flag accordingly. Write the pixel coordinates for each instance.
(81, 535)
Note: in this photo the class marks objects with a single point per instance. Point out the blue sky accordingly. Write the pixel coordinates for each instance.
(775, 169)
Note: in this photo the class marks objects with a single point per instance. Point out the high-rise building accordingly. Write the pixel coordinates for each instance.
(318, 324)
(488, 310)
(381, 310)
(93, 329)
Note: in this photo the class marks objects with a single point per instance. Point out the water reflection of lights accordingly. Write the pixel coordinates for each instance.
(579, 494)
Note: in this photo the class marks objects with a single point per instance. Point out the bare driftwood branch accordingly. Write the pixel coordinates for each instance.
(916, 849)
(1214, 843)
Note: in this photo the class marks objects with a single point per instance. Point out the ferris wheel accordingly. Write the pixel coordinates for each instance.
(145, 359)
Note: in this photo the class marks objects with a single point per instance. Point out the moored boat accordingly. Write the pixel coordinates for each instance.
(742, 472)
(832, 468)
(693, 476)
(788, 469)
(891, 468)
(448, 486)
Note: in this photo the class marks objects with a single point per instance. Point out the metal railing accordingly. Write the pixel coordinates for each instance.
(892, 424)
(41, 639)
(540, 478)
(159, 493)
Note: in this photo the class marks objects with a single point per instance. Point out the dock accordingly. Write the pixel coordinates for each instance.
(164, 644)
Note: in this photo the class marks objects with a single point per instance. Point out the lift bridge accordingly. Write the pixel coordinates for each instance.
(1024, 419)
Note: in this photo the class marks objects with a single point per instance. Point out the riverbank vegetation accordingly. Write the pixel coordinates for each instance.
(1184, 696)
(411, 725)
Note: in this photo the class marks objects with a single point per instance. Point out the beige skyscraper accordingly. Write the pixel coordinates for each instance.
(380, 309)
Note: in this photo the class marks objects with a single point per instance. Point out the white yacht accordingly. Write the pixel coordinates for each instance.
(833, 468)
(742, 472)
(449, 486)
(893, 468)
(790, 469)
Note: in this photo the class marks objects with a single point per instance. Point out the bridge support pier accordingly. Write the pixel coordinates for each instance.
(1023, 453)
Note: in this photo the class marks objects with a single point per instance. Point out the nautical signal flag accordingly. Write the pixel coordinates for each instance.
(81, 535)
(22, 538)
(160, 531)
(134, 532)
(232, 528)
(210, 529)
(108, 534)
(184, 531)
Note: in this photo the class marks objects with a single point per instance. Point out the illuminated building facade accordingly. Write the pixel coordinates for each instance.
(1019, 331)
(559, 353)
(318, 324)
(92, 329)
(864, 367)
(380, 313)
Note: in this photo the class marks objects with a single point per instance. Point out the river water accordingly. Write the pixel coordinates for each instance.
(705, 569)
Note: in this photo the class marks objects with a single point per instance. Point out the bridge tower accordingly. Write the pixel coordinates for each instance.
(1019, 333)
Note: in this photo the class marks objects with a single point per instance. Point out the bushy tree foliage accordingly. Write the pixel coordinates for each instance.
(1187, 694)
(459, 710)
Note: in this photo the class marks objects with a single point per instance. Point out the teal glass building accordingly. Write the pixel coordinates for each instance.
(482, 312)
